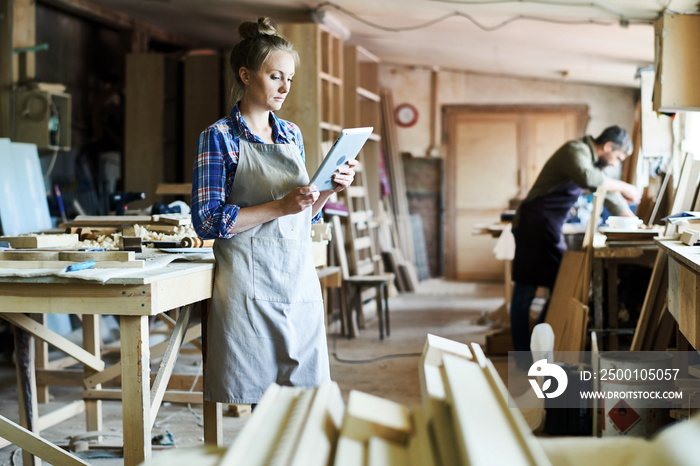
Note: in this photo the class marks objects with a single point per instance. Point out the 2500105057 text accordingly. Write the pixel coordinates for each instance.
(631, 374)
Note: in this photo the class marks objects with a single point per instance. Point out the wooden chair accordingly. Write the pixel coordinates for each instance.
(355, 284)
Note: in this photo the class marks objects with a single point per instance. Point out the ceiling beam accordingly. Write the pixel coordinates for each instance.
(110, 17)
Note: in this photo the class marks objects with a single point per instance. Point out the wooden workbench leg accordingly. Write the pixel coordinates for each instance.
(136, 393)
(212, 411)
(92, 344)
(41, 360)
(213, 419)
(26, 388)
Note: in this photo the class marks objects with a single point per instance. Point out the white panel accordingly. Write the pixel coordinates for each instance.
(23, 204)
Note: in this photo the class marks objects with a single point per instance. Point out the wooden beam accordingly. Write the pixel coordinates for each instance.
(481, 443)
(171, 396)
(36, 445)
(156, 350)
(63, 344)
(369, 415)
(59, 415)
(92, 341)
(26, 388)
(167, 364)
(136, 412)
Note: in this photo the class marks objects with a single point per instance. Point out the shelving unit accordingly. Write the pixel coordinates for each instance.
(315, 102)
(363, 108)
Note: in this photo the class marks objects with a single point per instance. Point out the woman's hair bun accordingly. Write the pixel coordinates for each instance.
(261, 27)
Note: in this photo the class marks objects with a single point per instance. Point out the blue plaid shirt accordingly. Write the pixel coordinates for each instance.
(215, 169)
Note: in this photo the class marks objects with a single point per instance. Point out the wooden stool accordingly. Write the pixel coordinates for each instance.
(381, 284)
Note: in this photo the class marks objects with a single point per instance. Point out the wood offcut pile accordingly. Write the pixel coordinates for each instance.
(107, 232)
(109, 241)
(464, 418)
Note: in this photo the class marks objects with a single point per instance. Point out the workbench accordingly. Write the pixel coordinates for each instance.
(684, 287)
(134, 297)
(607, 257)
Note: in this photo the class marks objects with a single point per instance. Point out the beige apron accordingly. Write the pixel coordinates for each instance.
(266, 320)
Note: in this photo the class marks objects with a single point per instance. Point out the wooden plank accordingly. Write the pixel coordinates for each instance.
(26, 387)
(92, 340)
(170, 289)
(36, 445)
(529, 444)
(61, 414)
(167, 364)
(587, 245)
(106, 220)
(29, 255)
(350, 452)
(156, 351)
(144, 138)
(381, 452)
(319, 435)
(41, 241)
(49, 336)
(482, 443)
(80, 256)
(30, 264)
(202, 104)
(256, 442)
(657, 282)
(136, 413)
(170, 396)
(420, 445)
(565, 287)
(371, 416)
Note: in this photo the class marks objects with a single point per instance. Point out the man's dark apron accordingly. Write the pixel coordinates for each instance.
(539, 241)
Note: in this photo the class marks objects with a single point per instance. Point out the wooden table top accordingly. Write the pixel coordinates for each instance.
(687, 255)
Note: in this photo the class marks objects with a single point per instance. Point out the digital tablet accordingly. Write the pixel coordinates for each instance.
(345, 148)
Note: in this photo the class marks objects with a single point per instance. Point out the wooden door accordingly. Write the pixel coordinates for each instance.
(494, 156)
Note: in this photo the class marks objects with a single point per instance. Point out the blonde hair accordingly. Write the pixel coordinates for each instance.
(259, 39)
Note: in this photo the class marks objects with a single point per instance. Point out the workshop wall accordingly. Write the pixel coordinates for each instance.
(608, 104)
(87, 58)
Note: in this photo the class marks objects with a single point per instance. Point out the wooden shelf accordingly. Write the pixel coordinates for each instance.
(317, 105)
(362, 92)
(363, 108)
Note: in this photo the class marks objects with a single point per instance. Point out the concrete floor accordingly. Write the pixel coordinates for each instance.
(447, 309)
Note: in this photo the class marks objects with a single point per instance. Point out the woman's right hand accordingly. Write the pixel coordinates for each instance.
(298, 200)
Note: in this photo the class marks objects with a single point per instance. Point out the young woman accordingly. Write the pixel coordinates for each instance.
(251, 193)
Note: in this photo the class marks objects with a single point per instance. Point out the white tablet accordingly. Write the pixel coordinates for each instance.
(346, 147)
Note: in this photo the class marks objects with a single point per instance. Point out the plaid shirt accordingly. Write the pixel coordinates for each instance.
(215, 169)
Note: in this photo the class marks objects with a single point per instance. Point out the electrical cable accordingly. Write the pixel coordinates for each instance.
(538, 2)
(621, 19)
(57, 131)
(334, 353)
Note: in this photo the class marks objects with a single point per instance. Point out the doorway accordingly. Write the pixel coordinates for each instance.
(494, 154)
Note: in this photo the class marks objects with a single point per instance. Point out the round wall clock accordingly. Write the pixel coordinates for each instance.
(406, 115)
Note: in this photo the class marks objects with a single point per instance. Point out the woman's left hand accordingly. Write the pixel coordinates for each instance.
(345, 175)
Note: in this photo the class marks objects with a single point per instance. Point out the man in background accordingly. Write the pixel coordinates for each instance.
(575, 167)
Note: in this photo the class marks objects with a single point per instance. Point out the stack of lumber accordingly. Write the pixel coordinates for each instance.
(464, 419)
(400, 255)
(112, 232)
